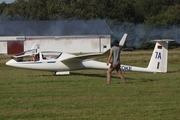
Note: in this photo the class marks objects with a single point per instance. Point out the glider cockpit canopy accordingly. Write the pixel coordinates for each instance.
(44, 55)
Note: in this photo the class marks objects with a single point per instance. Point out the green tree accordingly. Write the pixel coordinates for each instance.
(172, 15)
(3, 5)
(3, 11)
(53, 9)
(134, 11)
(122, 10)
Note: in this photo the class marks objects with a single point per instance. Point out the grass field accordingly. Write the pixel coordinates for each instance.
(84, 95)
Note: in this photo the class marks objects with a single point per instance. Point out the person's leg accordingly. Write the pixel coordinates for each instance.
(121, 76)
(109, 71)
(120, 73)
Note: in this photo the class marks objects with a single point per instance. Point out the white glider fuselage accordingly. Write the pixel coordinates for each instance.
(62, 62)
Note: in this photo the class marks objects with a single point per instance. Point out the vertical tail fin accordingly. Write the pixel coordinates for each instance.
(158, 61)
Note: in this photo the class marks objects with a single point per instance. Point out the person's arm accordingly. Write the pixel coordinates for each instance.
(109, 58)
(33, 58)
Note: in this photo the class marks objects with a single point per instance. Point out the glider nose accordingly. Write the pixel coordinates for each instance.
(10, 62)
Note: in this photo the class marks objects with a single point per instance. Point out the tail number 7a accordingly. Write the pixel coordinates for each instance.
(158, 55)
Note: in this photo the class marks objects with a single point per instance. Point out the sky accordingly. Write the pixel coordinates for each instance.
(7, 1)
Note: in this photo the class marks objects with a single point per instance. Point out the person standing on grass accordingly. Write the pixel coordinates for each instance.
(115, 56)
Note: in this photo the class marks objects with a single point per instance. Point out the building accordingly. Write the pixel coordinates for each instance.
(76, 36)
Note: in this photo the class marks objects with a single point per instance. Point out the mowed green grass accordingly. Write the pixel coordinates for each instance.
(38, 95)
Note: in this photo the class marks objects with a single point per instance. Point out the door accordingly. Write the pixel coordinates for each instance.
(15, 47)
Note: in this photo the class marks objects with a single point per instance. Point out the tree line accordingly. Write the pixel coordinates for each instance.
(133, 11)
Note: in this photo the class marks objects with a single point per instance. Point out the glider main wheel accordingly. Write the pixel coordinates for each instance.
(55, 73)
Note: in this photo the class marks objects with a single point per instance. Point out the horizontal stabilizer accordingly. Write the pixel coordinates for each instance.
(163, 40)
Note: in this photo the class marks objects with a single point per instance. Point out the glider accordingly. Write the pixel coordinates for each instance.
(62, 63)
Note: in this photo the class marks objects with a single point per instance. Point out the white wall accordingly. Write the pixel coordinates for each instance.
(71, 45)
(3, 47)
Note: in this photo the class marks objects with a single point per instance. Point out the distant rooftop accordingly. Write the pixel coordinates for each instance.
(53, 28)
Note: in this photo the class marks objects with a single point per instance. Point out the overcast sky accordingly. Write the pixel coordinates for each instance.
(7, 1)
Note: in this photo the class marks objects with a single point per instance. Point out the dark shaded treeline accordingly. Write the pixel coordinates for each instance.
(133, 11)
